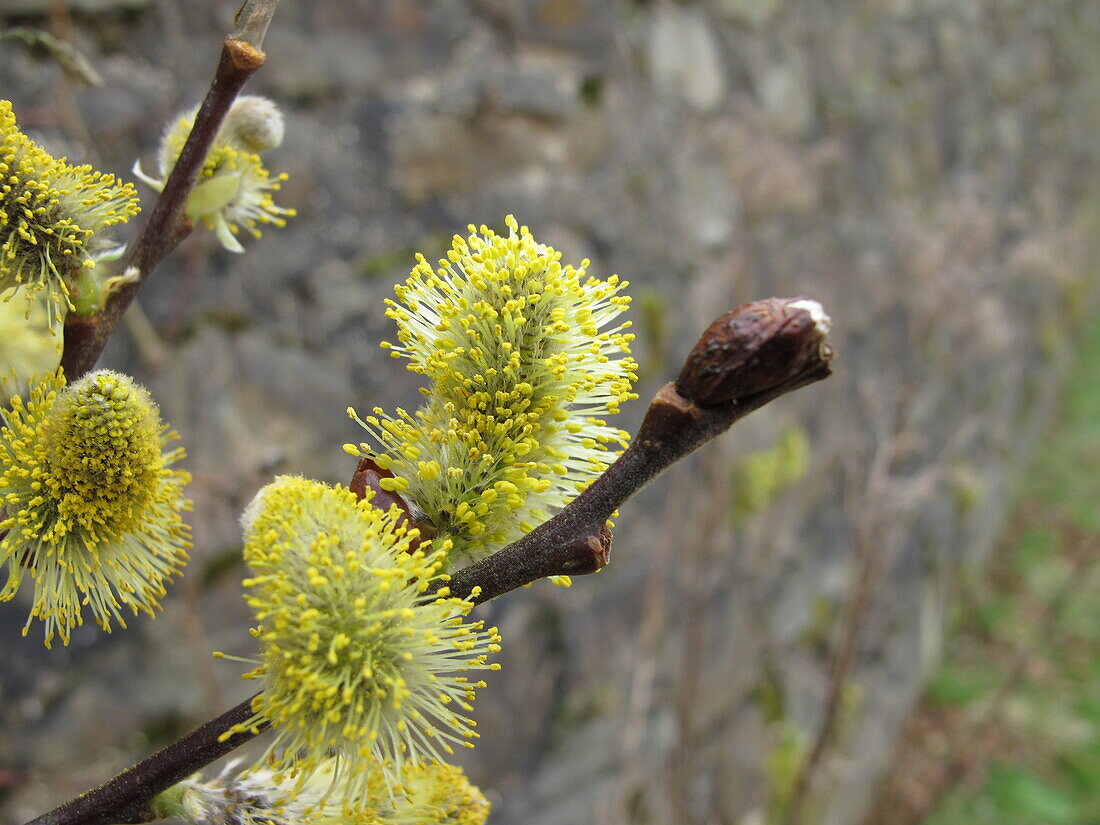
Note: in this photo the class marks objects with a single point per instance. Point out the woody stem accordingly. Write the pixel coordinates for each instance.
(87, 335)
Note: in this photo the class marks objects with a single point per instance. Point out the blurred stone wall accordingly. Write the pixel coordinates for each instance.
(926, 168)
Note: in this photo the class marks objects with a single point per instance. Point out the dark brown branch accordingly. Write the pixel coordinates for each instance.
(749, 356)
(781, 334)
(125, 799)
(576, 540)
(167, 225)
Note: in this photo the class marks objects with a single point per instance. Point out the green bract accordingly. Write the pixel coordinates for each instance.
(234, 188)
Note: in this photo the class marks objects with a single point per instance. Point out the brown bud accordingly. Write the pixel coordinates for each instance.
(754, 348)
(588, 552)
(367, 475)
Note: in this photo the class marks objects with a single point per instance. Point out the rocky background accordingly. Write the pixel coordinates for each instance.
(925, 168)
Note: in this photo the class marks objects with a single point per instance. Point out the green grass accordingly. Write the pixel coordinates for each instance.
(1025, 666)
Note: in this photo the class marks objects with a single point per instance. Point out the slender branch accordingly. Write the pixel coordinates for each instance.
(86, 336)
(576, 540)
(747, 358)
(251, 21)
(125, 799)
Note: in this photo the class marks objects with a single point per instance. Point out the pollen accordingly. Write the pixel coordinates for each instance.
(234, 190)
(356, 662)
(53, 218)
(523, 357)
(103, 455)
(91, 506)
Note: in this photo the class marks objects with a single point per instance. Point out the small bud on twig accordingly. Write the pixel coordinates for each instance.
(754, 348)
(367, 477)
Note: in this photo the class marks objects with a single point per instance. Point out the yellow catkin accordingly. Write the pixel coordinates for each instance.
(53, 218)
(91, 505)
(356, 662)
(523, 358)
(234, 188)
(436, 794)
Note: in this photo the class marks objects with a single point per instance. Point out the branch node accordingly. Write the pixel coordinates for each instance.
(245, 57)
(588, 553)
(669, 413)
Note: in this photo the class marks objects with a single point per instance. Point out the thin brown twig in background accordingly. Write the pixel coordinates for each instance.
(863, 588)
(884, 497)
(653, 613)
(699, 564)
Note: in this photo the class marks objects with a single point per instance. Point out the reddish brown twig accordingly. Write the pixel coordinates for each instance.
(126, 797)
(721, 383)
(167, 225)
